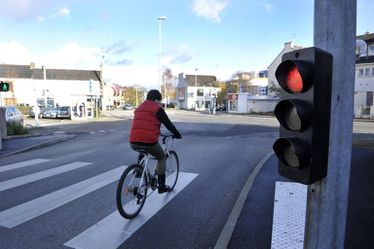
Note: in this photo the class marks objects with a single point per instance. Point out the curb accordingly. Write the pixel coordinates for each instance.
(39, 145)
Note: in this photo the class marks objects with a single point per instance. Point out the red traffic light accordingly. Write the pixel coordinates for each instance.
(294, 76)
(304, 114)
(294, 81)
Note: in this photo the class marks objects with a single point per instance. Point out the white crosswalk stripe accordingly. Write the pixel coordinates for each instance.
(40, 175)
(22, 164)
(31, 209)
(110, 232)
(113, 230)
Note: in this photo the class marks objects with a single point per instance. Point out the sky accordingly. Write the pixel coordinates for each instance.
(203, 37)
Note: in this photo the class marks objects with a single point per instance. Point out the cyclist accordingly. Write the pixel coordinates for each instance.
(145, 130)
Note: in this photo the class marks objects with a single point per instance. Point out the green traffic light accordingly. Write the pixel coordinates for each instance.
(4, 86)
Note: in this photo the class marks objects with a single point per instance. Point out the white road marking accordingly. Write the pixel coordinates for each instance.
(22, 164)
(289, 215)
(113, 230)
(40, 175)
(31, 209)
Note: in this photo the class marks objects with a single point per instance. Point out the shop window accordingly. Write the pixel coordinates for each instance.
(369, 98)
(200, 92)
(233, 105)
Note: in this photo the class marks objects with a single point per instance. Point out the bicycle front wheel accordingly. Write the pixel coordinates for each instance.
(131, 191)
(172, 169)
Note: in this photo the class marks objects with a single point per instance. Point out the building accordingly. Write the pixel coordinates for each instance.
(272, 81)
(197, 92)
(80, 89)
(364, 78)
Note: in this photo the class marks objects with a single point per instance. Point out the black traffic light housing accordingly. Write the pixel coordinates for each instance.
(4, 86)
(305, 78)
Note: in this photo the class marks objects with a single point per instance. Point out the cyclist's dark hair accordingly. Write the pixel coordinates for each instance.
(154, 95)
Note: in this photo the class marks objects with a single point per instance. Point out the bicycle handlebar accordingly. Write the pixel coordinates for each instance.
(165, 136)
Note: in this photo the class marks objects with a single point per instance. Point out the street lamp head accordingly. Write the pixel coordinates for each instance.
(162, 18)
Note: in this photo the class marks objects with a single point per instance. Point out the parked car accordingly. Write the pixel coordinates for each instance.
(127, 107)
(221, 108)
(64, 112)
(109, 107)
(50, 113)
(42, 109)
(13, 115)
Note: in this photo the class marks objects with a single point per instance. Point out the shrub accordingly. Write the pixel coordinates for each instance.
(16, 129)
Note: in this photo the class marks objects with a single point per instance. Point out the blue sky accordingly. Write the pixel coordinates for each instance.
(217, 37)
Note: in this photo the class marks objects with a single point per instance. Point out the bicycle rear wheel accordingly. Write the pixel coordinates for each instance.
(131, 191)
(172, 169)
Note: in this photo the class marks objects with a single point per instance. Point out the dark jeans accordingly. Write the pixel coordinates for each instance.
(156, 151)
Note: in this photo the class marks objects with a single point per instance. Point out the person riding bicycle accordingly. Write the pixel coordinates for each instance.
(145, 130)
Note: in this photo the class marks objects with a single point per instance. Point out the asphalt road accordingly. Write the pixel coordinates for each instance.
(220, 151)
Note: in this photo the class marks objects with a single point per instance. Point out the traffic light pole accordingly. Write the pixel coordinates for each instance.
(335, 32)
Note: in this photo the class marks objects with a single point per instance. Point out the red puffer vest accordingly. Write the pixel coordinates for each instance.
(145, 125)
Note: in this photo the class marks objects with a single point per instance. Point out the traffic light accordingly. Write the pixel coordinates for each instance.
(305, 78)
(4, 86)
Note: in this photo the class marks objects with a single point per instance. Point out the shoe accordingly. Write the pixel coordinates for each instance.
(163, 189)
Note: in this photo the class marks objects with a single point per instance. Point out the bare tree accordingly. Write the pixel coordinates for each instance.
(168, 87)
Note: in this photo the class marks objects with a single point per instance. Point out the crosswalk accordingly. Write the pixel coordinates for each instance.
(110, 232)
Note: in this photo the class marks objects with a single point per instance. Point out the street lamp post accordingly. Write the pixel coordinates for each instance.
(160, 19)
(195, 77)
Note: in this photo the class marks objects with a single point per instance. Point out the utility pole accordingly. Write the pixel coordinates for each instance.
(335, 32)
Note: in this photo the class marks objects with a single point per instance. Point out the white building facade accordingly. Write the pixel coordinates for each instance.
(196, 92)
(79, 89)
(364, 81)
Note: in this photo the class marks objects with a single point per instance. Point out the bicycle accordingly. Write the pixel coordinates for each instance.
(135, 181)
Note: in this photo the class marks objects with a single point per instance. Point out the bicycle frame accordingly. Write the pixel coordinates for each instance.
(166, 145)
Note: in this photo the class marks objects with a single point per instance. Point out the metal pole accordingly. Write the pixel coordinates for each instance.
(195, 77)
(161, 18)
(334, 31)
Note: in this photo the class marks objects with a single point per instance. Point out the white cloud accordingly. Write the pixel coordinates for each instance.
(64, 12)
(14, 52)
(269, 8)
(210, 9)
(74, 56)
(23, 9)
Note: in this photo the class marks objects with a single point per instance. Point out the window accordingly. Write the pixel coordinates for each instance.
(200, 92)
(372, 72)
(233, 105)
(367, 72)
(360, 73)
(371, 50)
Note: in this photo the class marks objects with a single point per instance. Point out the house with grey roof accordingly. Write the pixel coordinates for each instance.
(50, 87)
(197, 92)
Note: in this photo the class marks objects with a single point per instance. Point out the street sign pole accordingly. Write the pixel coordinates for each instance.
(334, 31)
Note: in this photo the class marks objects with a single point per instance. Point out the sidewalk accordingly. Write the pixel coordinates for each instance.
(254, 226)
(17, 144)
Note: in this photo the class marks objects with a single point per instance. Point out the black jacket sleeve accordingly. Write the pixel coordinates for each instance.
(163, 117)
